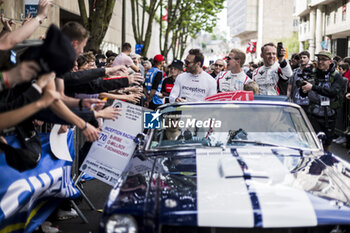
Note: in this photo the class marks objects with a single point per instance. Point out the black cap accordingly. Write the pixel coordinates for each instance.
(177, 64)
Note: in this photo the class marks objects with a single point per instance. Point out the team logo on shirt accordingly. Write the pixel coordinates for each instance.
(194, 89)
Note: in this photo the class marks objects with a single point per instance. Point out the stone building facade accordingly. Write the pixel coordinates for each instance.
(63, 11)
(260, 20)
(324, 24)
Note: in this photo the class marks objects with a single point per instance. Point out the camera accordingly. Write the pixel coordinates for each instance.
(300, 83)
(305, 75)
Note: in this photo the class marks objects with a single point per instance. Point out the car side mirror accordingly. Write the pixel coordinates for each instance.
(322, 137)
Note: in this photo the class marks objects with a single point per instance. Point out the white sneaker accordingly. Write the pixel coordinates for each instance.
(336, 139)
(66, 214)
(341, 140)
(47, 228)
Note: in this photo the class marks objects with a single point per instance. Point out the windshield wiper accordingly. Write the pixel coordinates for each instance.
(259, 143)
(179, 145)
(255, 142)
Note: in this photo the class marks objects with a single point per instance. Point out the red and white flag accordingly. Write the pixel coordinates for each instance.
(251, 47)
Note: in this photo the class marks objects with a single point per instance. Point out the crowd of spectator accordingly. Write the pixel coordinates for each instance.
(57, 82)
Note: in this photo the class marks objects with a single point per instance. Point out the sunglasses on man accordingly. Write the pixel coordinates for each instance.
(227, 58)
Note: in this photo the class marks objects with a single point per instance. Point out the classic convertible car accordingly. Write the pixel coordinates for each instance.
(230, 167)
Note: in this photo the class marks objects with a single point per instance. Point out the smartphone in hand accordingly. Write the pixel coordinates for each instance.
(279, 49)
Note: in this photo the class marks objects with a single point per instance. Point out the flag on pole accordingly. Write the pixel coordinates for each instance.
(251, 47)
(165, 17)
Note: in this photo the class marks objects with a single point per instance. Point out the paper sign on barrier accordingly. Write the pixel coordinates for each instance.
(109, 156)
(58, 144)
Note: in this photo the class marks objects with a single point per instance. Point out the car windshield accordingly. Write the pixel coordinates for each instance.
(217, 125)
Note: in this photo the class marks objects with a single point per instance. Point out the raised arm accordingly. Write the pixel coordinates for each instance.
(9, 40)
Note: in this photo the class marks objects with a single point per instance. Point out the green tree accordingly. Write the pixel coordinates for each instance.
(195, 16)
(98, 21)
(291, 43)
(141, 26)
(173, 18)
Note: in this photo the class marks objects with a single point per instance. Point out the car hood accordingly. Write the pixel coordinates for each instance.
(247, 187)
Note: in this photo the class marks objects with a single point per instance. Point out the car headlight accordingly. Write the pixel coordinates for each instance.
(121, 224)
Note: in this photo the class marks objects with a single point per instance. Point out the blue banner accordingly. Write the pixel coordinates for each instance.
(28, 198)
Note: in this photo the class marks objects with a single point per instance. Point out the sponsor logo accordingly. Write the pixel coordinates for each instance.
(191, 123)
(194, 89)
(151, 120)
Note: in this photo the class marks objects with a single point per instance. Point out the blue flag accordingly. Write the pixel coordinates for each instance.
(138, 48)
(28, 198)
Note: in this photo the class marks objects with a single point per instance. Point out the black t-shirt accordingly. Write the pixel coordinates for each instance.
(212, 74)
(157, 80)
(167, 86)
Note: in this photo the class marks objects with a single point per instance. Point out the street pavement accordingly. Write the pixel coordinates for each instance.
(98, 191)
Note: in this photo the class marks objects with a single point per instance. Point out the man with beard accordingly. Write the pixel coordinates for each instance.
(195, 84)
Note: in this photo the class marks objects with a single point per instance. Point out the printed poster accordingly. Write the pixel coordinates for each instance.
(111, 153)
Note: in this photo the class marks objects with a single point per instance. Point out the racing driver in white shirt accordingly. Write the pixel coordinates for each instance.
(234, 78)
(268, 75)
(195, 84)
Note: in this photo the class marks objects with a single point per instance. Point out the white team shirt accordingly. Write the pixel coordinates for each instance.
(226, 81)
(193, 87)
(267, 77)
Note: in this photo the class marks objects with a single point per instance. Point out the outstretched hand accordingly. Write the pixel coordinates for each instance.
(43, 8)
(94, 104)
(7, 23)
(135, 78)
(109, 113)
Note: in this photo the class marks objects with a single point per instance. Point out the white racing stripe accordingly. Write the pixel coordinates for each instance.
(282, 202)
(222, 202)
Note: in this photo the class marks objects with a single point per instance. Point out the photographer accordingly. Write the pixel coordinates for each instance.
(324, 96)
(301, 74)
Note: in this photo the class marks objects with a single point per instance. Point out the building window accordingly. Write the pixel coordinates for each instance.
(334, 16)
(343, 17)
(327, 19)
(295, 23)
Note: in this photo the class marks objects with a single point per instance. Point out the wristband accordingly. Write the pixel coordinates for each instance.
(6, 79)
(80, 104)
(38, 19)
(85, 127)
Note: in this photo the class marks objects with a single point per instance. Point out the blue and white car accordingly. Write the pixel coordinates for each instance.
(231, 167)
